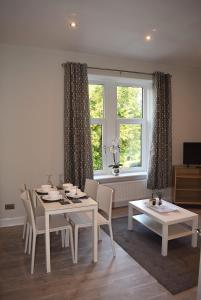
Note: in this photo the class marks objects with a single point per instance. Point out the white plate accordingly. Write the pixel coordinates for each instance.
(79, 195)
(40, 190)
(52, 199)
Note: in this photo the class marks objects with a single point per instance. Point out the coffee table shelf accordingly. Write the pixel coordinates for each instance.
(174, 231)
(169, 225)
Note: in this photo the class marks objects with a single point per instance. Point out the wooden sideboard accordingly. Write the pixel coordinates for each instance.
(187, 185)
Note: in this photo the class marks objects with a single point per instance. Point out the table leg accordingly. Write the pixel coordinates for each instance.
(130, 217)
(47, 242)
(66, 238)
(194, 235)
(164, 249)
(95, 235)
(199, 281)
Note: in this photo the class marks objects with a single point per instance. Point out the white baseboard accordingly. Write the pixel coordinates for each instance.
(7, 222)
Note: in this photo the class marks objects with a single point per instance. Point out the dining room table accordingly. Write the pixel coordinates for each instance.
(65, 206)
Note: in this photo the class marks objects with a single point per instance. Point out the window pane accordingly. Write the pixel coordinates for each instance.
(96, 140)
(130, 145)
(96, 100)
(129, 102)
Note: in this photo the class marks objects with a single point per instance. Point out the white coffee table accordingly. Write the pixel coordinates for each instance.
(169, 225)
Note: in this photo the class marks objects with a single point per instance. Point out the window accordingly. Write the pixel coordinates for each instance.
(96, 100)
(118, 110)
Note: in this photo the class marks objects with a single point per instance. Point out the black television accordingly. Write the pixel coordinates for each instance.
(192, 153)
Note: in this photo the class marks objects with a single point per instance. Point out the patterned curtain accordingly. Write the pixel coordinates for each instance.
(77, 136)
(160, 164)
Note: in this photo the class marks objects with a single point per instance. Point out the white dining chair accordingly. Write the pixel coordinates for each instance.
(25, 235)
(84, 219)
(38, 211)
(37, 207)
(36, 226)
(22, 190)
(91, 187)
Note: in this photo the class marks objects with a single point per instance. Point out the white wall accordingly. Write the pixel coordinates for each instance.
(186, 108)
(31, 113)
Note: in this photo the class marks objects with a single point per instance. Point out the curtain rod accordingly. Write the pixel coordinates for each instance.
(117, 70)
(121, 71)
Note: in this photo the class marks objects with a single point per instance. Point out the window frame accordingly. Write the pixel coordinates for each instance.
(111, 123)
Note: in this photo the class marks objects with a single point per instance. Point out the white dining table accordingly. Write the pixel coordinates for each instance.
(54, 208)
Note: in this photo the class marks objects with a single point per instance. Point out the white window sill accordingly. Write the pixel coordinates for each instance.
(121, 177)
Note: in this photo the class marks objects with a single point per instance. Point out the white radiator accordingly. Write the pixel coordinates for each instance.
(128, 190)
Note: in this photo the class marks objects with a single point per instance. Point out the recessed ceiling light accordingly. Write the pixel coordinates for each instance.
(72, 21)
(73, 24)
(148, 37)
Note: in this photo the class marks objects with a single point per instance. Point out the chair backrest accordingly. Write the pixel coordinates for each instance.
(31, 195)
(25, 197)
(104, 199)
(91, 187)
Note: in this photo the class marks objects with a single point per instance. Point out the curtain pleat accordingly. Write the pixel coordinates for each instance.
(78, 163)
(160, 163)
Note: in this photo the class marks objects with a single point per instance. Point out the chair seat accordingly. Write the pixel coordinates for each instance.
(57, 222)
(84, 219)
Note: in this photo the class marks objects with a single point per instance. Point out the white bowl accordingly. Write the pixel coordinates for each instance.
(67, 186)
(45, 187)
(53, 194)
(73, 191)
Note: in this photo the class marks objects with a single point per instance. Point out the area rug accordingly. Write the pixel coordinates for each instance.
(176, 272)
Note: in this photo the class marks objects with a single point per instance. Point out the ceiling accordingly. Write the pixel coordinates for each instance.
(108, 27)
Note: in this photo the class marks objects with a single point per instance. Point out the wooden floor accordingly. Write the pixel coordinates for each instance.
(117, 278)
